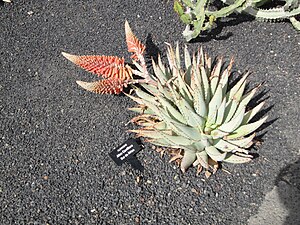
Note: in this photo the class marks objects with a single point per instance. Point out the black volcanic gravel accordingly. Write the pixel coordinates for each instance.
(55, 137)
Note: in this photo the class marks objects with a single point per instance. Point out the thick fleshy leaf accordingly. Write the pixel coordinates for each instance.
(205, 83)
(197, 121)
(183, 89)
(224, 77)
(165, 92)
(230, 109)
(160, 126)
(133, 43)
(216, 134)
(159, 73)
(151, 88)
(237, 90)
(161, 142)
(243, 142)
(200, 57)
(226, 146)
(177, 56)
(171, 57)
(234, 123)
(245, 100)
(172, 111)
(145, 96)
(202, 157)
(106, 66)
(295, 23)
(185, 109)
(188, 158)
(176, 140)
(165, 70)
(148, 133)
(109, 86)
(246, 129)
(251, 113)
(199, 102)
(215, 75)
(194, 74)
(196, 146)
(186, 131)
(213, 106)
(137, 100)
(215, 154)
(232, 158)
(220, 114)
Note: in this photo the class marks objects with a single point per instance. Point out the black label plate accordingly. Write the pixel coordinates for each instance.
(125, 152)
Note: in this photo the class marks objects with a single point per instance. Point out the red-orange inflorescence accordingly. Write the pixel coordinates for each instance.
(133, 43)
(109, 86)
(116, 73)
(106, 66)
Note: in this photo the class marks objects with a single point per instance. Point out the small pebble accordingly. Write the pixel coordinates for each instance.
(149, 182)
(137, 219)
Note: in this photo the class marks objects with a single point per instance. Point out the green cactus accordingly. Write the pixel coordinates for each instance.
(198, 16)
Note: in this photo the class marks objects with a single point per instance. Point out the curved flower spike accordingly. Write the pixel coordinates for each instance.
(108, 86)
(133, 43)
(105, 66)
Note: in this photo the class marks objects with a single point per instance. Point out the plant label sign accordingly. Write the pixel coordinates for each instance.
(125, 152)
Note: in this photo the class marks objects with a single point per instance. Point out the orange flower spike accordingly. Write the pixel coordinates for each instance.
(133, 43)
(107, 86)
(105, 66)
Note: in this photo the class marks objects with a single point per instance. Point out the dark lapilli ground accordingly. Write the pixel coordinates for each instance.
(55, 137)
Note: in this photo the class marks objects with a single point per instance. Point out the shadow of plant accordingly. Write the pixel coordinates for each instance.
(216, 32)
(152, 50)
(288, 182)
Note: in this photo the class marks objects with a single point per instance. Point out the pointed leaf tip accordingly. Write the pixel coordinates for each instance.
(89, 86)
(127, 27)
(72, 58)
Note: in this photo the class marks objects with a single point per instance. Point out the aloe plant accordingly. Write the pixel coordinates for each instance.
(192, 108)
(188, 109)
(198, 16)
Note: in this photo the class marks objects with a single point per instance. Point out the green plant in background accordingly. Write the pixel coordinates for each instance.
(199, 16)
(192, 109)
(189, 110)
